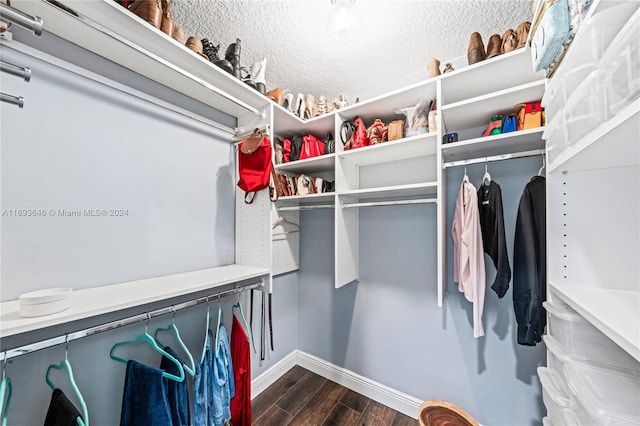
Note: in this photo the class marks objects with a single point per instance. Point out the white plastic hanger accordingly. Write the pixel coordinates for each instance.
(465, 178)
(5, 389)
(66, 366)
(206, 332)
(245, 324)
(486, 179)
(543, 166)
(282, 221)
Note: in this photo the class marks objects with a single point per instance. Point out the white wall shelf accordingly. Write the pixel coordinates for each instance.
(109, 30)
(115, 297)
(504, 143)
(290, 125)
(621, 148)
(402, 149)
(322, 164)
(397, 191)
(614, 312)
(310, 199)
(477, 111)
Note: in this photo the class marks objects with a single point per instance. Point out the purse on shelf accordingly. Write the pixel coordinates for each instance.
(305, 185)
(311, 147)
(377, 132)
(353, 134)
(255, 167)
(395, 130)
(296, 148)
(510, 123)
(279, 151)
(329, 144)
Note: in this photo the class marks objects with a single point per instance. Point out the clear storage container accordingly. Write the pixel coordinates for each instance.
(555, 134)
(584, 342)
(554, 394)
(546, 422)
(604, 396)
(586, 108)
(621, 62)
(570, 418)
(556, 356)
(584, 54)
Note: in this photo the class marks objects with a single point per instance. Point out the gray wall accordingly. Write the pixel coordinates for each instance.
(388, 328)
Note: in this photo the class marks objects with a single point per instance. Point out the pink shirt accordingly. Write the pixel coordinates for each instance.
(468, 252)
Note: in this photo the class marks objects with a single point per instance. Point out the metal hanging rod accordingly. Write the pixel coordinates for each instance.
(309, 207)
(24, 72)
(264, 130)
(9, 14)
(493, 158)
(10, 99)
(390, 203)
(32, 347)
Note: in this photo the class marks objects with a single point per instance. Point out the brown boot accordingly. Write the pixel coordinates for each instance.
(475, 52)
(276, 96)
(509, 41)
(167, 25)
(494, 46)
(433, 67)
(522, 32)
(149, 10)
(178, 35)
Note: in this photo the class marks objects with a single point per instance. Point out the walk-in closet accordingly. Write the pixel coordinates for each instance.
(319, 212)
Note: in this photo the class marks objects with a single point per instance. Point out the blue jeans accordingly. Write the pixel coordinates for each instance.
(144, 401)
(203, 387)
(223, 379)
(177, 392)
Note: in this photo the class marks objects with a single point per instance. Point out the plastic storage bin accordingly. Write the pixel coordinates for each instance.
(555, 134)
(586, 108)
(556, 356)
(582, 341)
(546, 422)
(554, 394)
(604, 396)
(622, 64)
(570, 417)
(584, 55)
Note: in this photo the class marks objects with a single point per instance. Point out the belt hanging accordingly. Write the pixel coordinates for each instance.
(270, 323)
(262, 329)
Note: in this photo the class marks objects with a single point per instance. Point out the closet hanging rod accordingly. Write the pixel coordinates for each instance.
(14, 100)
(242, 136)
(33, 23)
(44, 344)
(24, 72)
(309, 207)
(390, 203)
(500, 157)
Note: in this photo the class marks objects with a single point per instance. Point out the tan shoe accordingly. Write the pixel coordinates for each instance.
(509, 41)
(310, 109)
(494, 46)
(167, 26)
(475, 52)
(433, 67)
(276, 96)
(448, 68)
(522, 32)
(149, 10)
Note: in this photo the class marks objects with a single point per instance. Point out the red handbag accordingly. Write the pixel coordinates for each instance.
(354, 133)
(255, 166)
(286, 150)
(311, 147)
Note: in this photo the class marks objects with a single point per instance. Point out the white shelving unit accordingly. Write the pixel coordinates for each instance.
(504, 143)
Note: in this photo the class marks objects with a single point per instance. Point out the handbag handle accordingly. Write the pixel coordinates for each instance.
(347, 129)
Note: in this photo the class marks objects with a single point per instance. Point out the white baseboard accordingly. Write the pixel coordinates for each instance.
(277, 370)
(392, 398)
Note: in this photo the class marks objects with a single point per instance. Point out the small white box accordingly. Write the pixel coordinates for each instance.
(45, 302)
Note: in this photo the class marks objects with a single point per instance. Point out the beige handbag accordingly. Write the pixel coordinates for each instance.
(396, 130)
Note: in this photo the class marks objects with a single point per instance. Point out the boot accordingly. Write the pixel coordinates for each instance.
(522, 32)
(233, 56)
(195, 44)
(433, 67)
(149, 10)
(167, 25)
(257, 75)
(475, 52)
(210, 50)
(310, 109)
(509, 41)
(276, 96)
(447, 68)
(178, 35)
(494, 46)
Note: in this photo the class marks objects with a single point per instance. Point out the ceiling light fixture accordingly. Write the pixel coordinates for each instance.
(343, 22)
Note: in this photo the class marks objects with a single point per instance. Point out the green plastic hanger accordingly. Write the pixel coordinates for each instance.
(5, 388)
(245, 324)
(215, 342)
(206, 333)
(66, 366)
(147, 338)
(191, 368)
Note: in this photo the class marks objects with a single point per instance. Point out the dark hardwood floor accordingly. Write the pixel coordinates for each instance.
(301, 397)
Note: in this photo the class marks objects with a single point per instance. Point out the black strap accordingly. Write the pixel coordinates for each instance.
(347, 129)
(270, 323)
(262, 327)
(251, 311)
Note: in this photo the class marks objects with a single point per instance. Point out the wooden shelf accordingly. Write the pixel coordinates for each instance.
(321, 164)
(109, 30)
(396, 191)
(505, 143)
(592, 152)
(401, 149)
(477, 111)
(614, 312)
(115, 297)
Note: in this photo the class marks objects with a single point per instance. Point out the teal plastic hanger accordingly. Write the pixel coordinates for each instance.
(66, 366)
(191, 368)
(5, 389)
(245, 324)
(147, 338)
(215, 342)
(206, 333)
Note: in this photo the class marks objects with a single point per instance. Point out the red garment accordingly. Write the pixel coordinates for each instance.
(241, 359)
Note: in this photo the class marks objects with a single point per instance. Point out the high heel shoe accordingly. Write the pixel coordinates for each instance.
(299, 108)
(257, 75)
(288, 102)
(322, 105)
(310, 109)
(276, 96)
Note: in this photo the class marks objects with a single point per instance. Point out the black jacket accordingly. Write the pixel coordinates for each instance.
(530, 263)
(493, 239)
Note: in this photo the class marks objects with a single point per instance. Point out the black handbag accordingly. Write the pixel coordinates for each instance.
(296, 148)
(329, 144)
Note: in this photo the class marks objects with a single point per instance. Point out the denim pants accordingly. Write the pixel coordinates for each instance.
(177, 392)
(144, 401)
(203, 386)
(223, 379)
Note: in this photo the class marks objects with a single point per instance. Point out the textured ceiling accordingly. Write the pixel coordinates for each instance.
(393, 43)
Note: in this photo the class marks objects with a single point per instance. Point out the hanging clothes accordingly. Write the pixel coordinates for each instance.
(241, 356)
(468, 253)
(203, 386)
(223, 380)
(493, 239)
(144, 400)
(61, 411)
(177, 392)
(530, 264)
